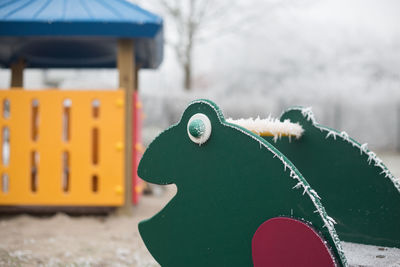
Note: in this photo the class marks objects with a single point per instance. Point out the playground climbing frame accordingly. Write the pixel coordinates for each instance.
(62, 148)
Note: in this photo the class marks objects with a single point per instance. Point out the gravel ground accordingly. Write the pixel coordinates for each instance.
(62, 240)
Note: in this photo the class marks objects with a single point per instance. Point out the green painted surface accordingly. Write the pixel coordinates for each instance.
(355, 192)
(197, 128)
(227, 187)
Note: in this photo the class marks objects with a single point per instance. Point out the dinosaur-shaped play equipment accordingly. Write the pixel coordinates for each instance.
(265, 192)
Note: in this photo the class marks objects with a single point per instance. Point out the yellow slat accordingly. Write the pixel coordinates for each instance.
(50, 146)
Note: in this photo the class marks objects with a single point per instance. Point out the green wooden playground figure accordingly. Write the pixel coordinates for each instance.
(242, 202)
(357, 189)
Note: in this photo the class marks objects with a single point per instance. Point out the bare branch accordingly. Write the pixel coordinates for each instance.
(196, 21)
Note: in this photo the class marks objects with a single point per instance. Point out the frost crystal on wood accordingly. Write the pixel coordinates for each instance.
(270, 126)
(331, 133)
(308, 114)
(372, 157)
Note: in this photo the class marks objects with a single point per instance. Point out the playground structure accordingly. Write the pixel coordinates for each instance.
(67, 147)
(282, 192)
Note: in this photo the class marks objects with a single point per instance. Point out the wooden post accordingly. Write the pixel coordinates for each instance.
(17, 74)
(127, 71)
(398, 127)
(136, 87)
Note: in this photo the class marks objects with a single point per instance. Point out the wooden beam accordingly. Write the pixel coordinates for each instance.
(127, 71)
(136, 87)
(17, 74)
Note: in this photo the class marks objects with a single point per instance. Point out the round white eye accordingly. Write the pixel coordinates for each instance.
(199, 128)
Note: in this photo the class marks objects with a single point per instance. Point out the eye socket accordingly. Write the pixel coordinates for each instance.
(199, 128)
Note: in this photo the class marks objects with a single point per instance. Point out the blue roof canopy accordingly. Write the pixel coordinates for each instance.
(77, 33)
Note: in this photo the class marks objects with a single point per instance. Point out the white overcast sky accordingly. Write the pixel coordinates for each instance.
(381, 17)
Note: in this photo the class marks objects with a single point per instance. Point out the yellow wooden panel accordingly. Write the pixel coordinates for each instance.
(50, 146)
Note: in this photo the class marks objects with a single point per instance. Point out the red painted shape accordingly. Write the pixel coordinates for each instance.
(137, 148)
(286, 242)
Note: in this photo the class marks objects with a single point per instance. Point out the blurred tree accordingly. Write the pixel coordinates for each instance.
(191, 22)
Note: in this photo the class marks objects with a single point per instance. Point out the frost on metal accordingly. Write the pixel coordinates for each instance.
(270, 126)
(372, 157)
(294, 174)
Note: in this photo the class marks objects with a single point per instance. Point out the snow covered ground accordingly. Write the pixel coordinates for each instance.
(371, 256)
(63, 240)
